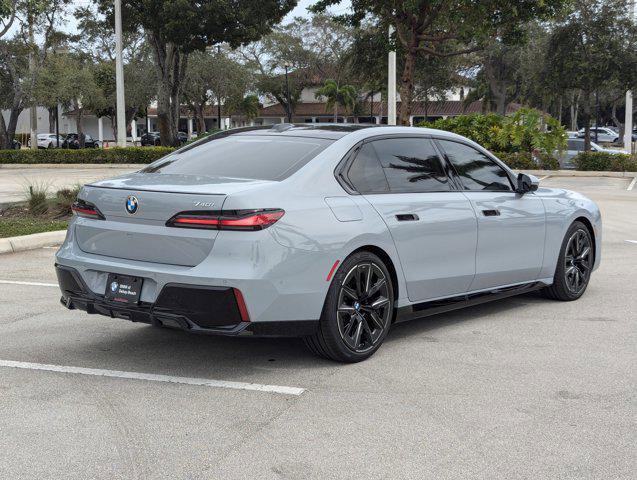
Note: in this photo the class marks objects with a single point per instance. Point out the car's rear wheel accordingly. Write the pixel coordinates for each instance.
(574, 265)
(358, 310)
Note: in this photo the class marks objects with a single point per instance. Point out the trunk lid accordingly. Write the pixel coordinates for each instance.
(143, 235)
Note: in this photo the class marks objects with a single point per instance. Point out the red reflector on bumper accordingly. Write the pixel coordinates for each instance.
(241, 304)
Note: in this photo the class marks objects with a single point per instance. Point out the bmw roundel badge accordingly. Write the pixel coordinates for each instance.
(131, 204)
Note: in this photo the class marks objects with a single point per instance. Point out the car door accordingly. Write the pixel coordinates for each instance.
(511, 227)
(432, 223)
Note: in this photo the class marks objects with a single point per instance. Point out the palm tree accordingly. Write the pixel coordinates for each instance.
(345, 96)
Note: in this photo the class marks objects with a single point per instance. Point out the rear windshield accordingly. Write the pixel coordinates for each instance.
(236, 156)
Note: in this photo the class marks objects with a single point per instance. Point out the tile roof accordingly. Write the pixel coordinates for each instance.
(432, 109)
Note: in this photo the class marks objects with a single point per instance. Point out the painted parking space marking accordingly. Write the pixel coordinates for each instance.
(34, 284)
(631, 241)
(151, 377)
(632, 184)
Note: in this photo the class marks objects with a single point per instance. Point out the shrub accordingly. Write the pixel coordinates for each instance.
(526, 161)
(141, 155)
(527, 130)
(605, 162)
(64, 199)
(36, 199)
(518, 160)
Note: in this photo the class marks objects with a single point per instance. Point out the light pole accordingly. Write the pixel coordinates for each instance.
(391, 84)
(218, 97)
(628, 115)
(287, 94)
(119, 76)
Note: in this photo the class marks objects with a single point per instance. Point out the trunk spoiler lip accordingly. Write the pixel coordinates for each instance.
(138, 189)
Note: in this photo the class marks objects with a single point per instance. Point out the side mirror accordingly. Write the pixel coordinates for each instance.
(527, 183)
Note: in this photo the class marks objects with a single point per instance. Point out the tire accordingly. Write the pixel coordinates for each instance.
(574, 265)
(358, 310)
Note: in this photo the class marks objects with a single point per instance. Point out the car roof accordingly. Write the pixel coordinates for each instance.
(333, 131)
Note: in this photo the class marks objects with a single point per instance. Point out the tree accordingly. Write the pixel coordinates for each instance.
(336, 95)
(175, 29)
(249, 106)
(443, 28)
(51, 88)
(16, 82)
(214, 76)
(97, 39)
(7, 15)
(313, 49)
(594, 46)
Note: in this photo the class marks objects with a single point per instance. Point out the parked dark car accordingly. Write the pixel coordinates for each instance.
(72, 140)
(153, 139)
(150, 139)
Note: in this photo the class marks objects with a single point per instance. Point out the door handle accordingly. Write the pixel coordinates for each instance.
(491, 213)
(406, 217)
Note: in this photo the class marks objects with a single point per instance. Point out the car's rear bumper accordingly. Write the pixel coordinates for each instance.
(194, 308)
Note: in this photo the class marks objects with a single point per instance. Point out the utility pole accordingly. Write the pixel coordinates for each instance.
(391, 84)
(287, 94)
(119, 76)
(628, 116)
(219, 98)
(596, 115)
(33, 110)
(57, 125)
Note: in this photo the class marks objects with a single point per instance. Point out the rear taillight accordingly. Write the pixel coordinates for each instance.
(227, 220)
(86, 210)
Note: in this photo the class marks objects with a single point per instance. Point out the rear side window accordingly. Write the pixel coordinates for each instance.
(243, 156)
(411, 165)
(476, 170)
(366, 174)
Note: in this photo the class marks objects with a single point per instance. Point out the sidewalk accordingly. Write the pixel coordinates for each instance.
(15, 179)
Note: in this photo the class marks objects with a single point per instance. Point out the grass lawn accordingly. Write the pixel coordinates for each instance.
(25, 225)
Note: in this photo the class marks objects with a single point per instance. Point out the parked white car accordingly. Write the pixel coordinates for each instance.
(46, 140)
(604, 134)
(575, 146)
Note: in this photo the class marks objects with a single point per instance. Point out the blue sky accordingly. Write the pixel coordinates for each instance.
(299, 11)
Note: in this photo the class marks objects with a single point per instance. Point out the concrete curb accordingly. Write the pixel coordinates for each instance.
(578, 173)
(78, 166)
(31, 242)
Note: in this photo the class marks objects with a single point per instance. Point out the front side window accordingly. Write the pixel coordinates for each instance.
(411, 165)
(242, 156)
(475, 169)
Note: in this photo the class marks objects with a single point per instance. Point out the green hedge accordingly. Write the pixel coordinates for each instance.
(87, 155)
(605, 162)
(525, 161)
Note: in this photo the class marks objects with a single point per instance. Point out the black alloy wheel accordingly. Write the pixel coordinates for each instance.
(358, 310)
(574, 265)
(363, 307)
(578, 261)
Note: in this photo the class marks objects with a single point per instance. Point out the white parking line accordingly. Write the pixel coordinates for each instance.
(631, 241)
(151, 377)
(632, 184)
(35, 284)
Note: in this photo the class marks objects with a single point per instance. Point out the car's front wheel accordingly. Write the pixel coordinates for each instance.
(574, 265)
(358, 310)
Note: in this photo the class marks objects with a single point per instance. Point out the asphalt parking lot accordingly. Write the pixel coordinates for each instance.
(523, 388)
